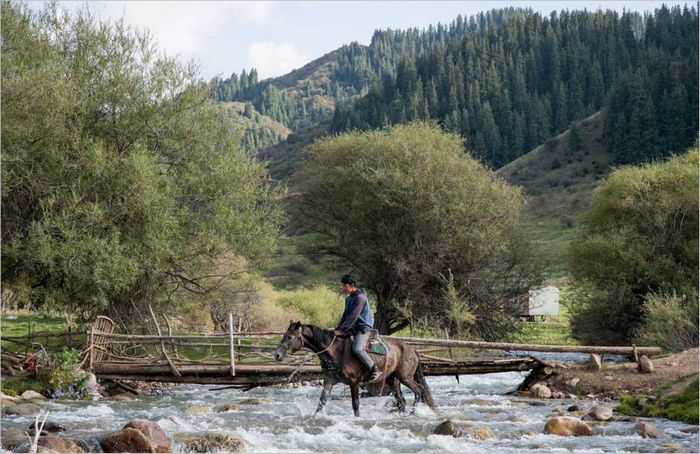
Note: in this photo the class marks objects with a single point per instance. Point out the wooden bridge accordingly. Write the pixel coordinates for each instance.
(246, 359)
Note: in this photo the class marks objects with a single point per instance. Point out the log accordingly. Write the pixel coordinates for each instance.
(619, 350)
(162, 344)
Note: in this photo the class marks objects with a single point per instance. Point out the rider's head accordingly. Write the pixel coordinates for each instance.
(348, 284)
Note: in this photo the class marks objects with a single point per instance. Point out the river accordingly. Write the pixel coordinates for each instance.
(285, 421)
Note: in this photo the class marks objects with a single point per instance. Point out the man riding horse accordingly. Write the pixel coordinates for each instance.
(357, 320)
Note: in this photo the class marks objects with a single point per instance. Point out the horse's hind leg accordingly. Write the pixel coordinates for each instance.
(396, 387)
(327, 387)
(415, 387)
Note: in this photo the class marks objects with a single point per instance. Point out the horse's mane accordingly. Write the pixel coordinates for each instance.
(320, 337)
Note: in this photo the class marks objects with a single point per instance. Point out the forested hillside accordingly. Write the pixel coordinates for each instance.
(515, 79)
(257, 131)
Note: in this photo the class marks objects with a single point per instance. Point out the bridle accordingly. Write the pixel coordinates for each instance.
(298, 335)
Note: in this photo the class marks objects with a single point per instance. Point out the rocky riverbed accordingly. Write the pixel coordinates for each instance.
(282, 420)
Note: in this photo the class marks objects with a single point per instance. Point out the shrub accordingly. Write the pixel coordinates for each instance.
(61, 376)
(670, 322)
(639, 236)
(319, 306)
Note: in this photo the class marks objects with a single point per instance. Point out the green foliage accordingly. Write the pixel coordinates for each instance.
(401, 206)
(60, 375)
(120, 178)
(670, 322)
(640, 236)
(678, 406)
(319, 306)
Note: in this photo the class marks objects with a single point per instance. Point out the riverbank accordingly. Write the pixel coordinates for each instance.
(670, 384)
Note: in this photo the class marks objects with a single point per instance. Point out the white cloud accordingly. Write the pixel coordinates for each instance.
(186, 28)
(272, 59)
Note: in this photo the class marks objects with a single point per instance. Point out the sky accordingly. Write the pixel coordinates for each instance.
(276, 37)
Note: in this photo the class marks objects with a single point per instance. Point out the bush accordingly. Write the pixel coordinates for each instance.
(670, 322)
(61, 376)
(639, 236)
(318, 306)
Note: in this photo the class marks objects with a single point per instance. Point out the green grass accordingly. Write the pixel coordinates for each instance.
(681, 406)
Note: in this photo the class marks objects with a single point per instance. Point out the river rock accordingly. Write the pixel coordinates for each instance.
(159, 439)
(231, 406)
(526, 433)
(572, 382)
(481, 402)
(567, 426)
(122, 397)
(558, 395)
(600, 413)
(197, 410)
(90, 444)
(10, 439)
(648, 430)
(483, 433)
(7, 397)
(31, 395)
(213, 442)
(255, 401)
(594, 362)
(23, 409)
(4, 403)
(127, 440)
(574, 408)
(448, 428)
(540, 391)
(54, 443)
(645, 365)
(49, 426)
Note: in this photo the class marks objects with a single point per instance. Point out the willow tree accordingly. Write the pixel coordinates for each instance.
(425, 226)
(639, 242)
(121, 180)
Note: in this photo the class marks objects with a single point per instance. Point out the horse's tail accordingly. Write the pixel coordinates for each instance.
(426, 396)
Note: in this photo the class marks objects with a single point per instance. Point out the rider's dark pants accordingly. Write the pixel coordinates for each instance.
(358, 348)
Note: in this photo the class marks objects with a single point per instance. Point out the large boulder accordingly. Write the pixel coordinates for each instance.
(541, 391)
(645, 365)
(212, 442)
(89, 444)
(51, 443)
(31, 395)
(448, 428)
(567, 426)
(54, 443)
(127, 440)
(600, 413)
(22, 409)
(159, 439)
(648, 430)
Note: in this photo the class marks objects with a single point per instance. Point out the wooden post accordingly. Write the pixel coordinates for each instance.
(230, 343)
(162, 345)
(90, 352)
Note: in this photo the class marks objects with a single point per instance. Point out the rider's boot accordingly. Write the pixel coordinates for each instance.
(374, 375)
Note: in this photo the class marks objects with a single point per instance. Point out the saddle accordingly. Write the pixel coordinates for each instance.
(375, 344)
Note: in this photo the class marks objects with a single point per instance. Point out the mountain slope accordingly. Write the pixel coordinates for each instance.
(257, 131)
(559, 178)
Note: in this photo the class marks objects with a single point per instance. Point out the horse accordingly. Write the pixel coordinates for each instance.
(400, 364)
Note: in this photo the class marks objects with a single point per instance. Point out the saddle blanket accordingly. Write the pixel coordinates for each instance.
(376, 346)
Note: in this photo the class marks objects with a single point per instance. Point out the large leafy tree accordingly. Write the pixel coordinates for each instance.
(121, 180)
(426, 227)
(640, 238)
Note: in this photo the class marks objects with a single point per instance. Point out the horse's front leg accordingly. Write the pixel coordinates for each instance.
(355, 394)
(327, 387)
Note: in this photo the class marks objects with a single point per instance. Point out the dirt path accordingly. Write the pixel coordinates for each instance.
(616, 379)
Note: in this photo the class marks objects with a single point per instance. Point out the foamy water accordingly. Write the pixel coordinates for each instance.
(287, 423)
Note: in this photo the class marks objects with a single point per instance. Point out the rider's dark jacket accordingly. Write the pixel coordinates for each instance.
(356, 316)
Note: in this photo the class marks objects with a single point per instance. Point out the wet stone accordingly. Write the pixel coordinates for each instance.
(255, 401)
(231, 406)
(23, 410)
(483, 433)
(197, 410)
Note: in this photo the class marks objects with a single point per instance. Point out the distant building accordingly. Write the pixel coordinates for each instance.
(543, 302)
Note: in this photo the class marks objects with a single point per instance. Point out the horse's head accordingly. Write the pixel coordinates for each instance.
(292, 340)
